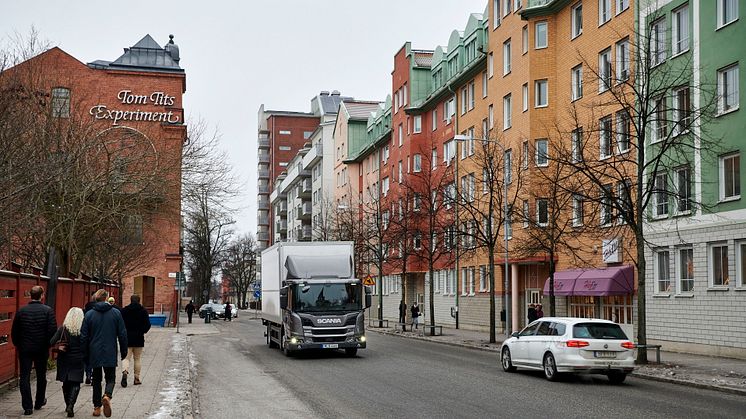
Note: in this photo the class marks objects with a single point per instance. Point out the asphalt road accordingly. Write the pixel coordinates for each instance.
(239, 376)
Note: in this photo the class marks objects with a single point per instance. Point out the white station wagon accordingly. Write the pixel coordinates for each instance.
(570, 345)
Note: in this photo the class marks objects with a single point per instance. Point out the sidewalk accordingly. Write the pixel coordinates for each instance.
(165, 389)
(722, 374)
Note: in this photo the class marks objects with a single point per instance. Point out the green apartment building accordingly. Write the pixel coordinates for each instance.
(696, 258)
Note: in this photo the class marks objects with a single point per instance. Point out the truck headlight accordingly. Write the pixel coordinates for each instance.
(362, 338)
(294, 340)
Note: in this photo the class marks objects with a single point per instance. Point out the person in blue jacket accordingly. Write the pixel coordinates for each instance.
(102, 328)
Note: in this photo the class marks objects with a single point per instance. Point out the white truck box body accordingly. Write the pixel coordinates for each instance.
(274, 271)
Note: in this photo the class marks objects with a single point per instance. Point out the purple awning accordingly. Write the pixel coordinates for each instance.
(615, 280)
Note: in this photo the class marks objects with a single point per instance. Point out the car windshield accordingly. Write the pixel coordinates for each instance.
(598, 331)
(327, 297)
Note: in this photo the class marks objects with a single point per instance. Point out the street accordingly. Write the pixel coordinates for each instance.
(239, 376)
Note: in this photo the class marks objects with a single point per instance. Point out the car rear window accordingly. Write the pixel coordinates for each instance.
(598, 331)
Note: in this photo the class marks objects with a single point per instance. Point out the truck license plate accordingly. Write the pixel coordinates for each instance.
(330, 346)
(604, 354)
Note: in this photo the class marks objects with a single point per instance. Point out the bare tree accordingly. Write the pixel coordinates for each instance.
(239, 266)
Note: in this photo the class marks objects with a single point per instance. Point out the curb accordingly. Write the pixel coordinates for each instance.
(713, 387)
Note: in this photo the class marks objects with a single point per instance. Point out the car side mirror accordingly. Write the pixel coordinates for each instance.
(515, 335)
(368, 298)
(283, 298)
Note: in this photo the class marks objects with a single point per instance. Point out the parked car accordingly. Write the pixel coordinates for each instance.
(559, 345)
(218, 310)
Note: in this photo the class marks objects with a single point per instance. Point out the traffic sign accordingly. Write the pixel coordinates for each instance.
(257, 294)
(369, 281)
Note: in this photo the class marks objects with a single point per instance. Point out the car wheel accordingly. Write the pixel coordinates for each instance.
(550, 367)
(616, 377)
(506, 361)
(350, 352)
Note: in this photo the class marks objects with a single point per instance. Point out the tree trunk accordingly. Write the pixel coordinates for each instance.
(491, 261)
(552, 267)
(642, 356)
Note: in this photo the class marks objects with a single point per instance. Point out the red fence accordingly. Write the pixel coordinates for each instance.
(14, 293)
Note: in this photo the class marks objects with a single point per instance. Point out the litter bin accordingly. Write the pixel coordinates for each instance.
(208, 315)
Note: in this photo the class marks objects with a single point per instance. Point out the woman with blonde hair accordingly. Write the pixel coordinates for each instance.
(70, 367)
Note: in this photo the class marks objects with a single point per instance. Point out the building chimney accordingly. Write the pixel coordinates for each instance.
(324, 93)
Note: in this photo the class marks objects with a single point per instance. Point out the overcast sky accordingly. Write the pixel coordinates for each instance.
(240, 54)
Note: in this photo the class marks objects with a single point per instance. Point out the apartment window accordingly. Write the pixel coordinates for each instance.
(506, 7)
(541, 93)
(542, 153)
(508, 166)
(728, 89)
(604, 70)
(518, 4)
(435, 119)
(385, 154)
(577, 20)
(485, 181)
(683, 189)
(417, 124)
(660, 195)
(483, 278)
(604, 11)
(472, 94)
(577, 145)
(400, 134)
(525, 159)
(285, 148)
(417, 163)
(682, 111)
(727, 11)
(621, 5)
(464, 100)
(622, 132)
(658, 41)
(417, 242)
(577, 82)
(507, 112)
(730, 177)
(524, 91)
(663, 271)
(401, 171)
(60, 102)
(526, 216)
(541, 35)
(542, 212)
(604, 133)
(524, 39)
(741, 264)
(686, 269)
(385, 186)
(416, 202)
(484, 84)
(283, 164)
(719, 265)
(509, 222)
(606, 205)
(448, 151)
(577, 211)
(680, 30)
(496, 13)
(660, 124)
(506, 57)
(434, 159)
(624, 203)
(285, 132)
(490, 65)
(622, 60)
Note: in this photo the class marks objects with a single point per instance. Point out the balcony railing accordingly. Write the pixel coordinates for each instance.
(263, 142)
(281, 208)
(263, 158)
(263, 173)
(538, 3)
(281, 225)
(303, 211)
(264, 189)
(305, 233)
(263, 220)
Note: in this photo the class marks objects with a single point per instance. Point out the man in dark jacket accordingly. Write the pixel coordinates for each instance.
(137, 322)
(33, 326)
(190, 310)
(102, 328)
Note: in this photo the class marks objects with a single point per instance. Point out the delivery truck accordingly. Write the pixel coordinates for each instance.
(311, 298)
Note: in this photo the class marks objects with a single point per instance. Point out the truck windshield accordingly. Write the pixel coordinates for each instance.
(327, 297)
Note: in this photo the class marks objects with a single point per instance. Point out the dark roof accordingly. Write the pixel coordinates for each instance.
(145, 55)
(330, 103)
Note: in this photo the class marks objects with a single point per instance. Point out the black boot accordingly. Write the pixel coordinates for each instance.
(71, 399)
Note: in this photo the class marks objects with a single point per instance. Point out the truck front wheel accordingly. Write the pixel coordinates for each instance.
(351, 352)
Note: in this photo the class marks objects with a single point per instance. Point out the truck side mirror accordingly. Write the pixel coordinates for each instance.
(283, 298)
(368, 298)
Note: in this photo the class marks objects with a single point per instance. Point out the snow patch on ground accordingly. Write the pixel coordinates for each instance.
(176, 390)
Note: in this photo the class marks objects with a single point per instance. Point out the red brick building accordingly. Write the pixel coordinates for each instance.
(140, 92)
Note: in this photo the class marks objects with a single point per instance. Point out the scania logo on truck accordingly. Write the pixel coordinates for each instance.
(328, 321)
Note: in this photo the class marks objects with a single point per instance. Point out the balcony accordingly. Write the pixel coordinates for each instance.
(303, 211)
(304, 188)
(281, 208)
(263, 220)
(281, 225)
(263, 142)
(263, 158)
(314, 155)
(264, 189)
(538, 3)
(262, 236)
(263, 173)
(263, 202)
(305, 233)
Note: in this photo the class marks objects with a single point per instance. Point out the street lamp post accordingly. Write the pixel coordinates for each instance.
(505, 231)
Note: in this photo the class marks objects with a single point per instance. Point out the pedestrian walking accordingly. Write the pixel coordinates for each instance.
(402, 312)
(539, 311)
(88, 307)
(415, 315)
(190, 310)
(113, 302)
(228, 313)
(137, 323)
(33, 326)
(70, 365)
(532, 312)
(102, 328)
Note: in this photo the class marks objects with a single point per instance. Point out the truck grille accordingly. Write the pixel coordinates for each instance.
(323, 332)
